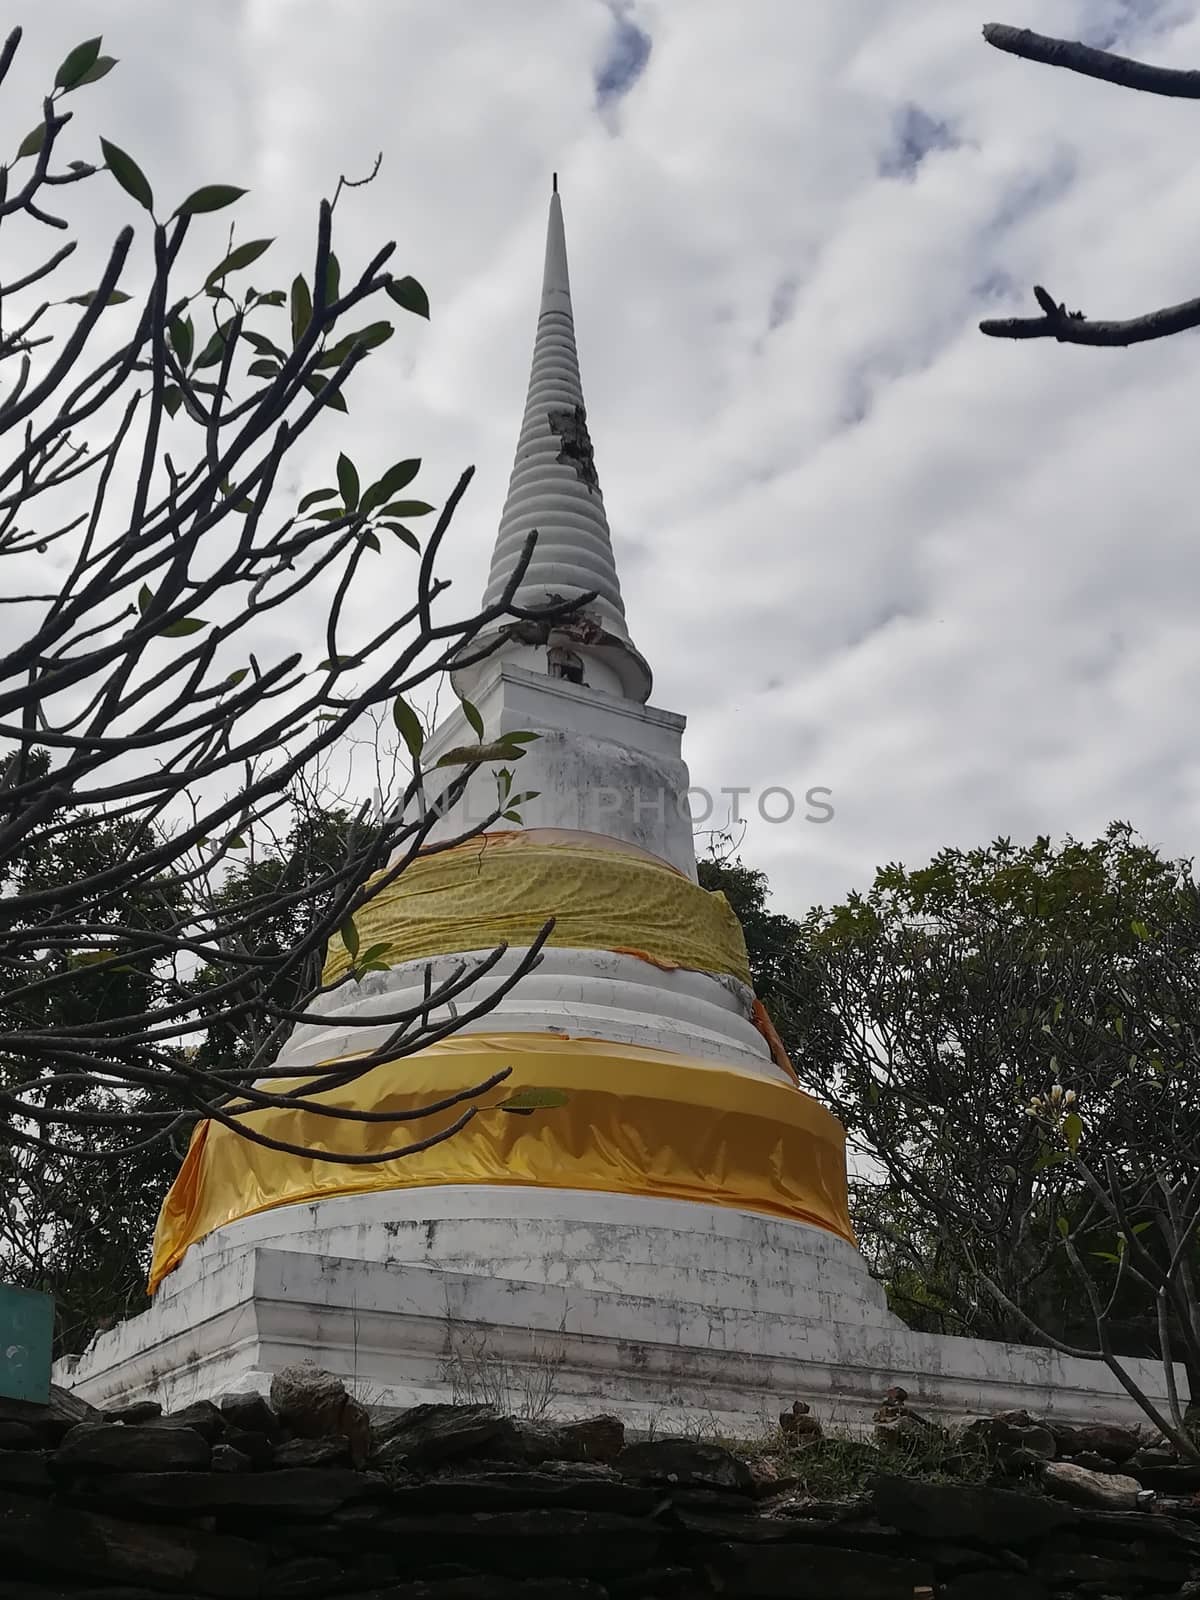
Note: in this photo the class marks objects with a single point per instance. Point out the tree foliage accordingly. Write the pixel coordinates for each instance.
(155, 560)
(1009, 1035)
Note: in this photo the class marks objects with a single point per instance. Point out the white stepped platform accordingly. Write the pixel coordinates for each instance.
(726, 1342)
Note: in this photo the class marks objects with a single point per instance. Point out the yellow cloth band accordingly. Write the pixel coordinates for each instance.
(486, 893)
(638, 1122)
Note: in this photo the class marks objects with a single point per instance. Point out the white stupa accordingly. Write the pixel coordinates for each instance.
(673, 1239)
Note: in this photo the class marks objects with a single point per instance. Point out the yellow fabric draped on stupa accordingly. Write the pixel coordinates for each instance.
(636, 1121)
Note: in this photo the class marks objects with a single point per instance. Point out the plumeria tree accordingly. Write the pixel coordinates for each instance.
(154, 562)
(1055, 320)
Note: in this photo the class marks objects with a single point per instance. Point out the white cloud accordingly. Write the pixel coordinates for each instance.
(968, 568)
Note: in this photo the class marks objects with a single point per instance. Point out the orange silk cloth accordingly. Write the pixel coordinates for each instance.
(637, 1122)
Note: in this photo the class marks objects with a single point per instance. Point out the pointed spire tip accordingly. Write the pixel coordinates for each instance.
(555, 183)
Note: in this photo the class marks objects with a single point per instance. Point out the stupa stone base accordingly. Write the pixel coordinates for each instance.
(698, 1315)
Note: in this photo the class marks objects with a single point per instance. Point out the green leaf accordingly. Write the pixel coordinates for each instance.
(335, 400)
(145, 595)
(534, 1100)
(520, 738)
(1052, 1158)
(214, 350)
(347, 477)
(184, 626)
(183, 338)
(100, 68)
(33, 141)
(349, 935)
(408, 725)
(512, 816)
(374, 953)
(473, 717)
(466, 755)
(408, 294)
(1064, 1227)
(262, 344)
(116, 298)
(235, 842)
(264, 367)
(212, 197)
(1073, 1130)
(128, 174)
(399, 477)
(234, 678)
(370, 337)
(242, 256)
(371, 540)
(301, 308)
(315, 498)
(79, 61)
(406, 534)
(1140, 931)
(406, 508)
(273, 297)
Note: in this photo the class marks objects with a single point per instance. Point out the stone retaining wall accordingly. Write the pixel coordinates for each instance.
(310, 1496)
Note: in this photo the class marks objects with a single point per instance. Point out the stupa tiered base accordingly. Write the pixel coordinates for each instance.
(566, 1304)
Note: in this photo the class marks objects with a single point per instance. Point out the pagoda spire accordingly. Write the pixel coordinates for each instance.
(554, 490)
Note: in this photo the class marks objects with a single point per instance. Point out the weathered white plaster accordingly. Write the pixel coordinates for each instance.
(601, 764)
(592, 994)
(711, 1257)
(403, 1334)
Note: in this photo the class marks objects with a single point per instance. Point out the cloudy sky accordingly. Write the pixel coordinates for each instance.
(952, 580)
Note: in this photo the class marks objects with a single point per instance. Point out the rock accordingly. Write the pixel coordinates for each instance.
(226, 1459)
(902, 1430)
(692, 1462)
(202, 1417)
(1106, 1490)
(592, 1439)
(315, 1405)
(304, 1576)
(18, 1435)
(993, 1586)
(63, 1412)
(593, 1490)
(799, 1424)
(816, 1572)
(256, 1446)
(582, 1544)
(771, 1477)
(25, 1470)
(427, 1434)
(134, 1411)
(1177, 1477)
(1010, 1431)
(971, 1514)
(249, 1413)
(1108, 1574)
(58, 1541)
(296, 1491)
(119, 1447)
(1093, 1462)
(1106, 1439)
(312, 1452)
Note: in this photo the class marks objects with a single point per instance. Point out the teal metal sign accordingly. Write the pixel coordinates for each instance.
(26, 1344)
